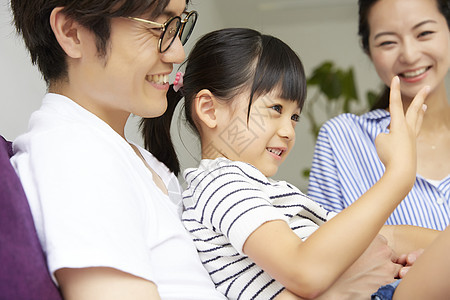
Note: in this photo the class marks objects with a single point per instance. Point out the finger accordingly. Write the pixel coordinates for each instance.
(411, 258)
(414, 114)
(402, 259)
(403, 271)
(395, 102)
(394, 256)
(397, 270)
(420, 118)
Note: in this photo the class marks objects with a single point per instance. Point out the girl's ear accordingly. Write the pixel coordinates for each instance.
(205, 108)
(66, 32)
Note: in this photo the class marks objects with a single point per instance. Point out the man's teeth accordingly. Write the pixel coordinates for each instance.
(415, 73)
(161, 79)
(275, 151)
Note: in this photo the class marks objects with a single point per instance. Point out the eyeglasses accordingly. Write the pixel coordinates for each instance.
(172, 27)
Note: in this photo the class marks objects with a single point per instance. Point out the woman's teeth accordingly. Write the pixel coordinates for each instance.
(415, 73)
(160, 79)
(275, 151)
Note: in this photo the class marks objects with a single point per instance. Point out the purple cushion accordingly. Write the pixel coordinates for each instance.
(23, 270)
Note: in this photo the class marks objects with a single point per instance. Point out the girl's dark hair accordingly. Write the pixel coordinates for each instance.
(32, 21)
(364, 33)
(227, 62)
(156, 133)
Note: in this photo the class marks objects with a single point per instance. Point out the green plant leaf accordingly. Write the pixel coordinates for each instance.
(331, 85)
(319, 73)
(349, 86)
(337, 87)
(306, 172)
(348, 90)
(372, 98)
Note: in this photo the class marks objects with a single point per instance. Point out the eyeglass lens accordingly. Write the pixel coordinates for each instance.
(172, 29)
(188, 27)
(170, 33)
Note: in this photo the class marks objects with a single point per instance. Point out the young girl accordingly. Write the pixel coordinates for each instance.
(244, 92)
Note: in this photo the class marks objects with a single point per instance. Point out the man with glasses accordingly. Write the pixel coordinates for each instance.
(171, 27)
(103, 207)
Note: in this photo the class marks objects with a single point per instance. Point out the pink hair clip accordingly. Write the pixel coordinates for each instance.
(178, 82)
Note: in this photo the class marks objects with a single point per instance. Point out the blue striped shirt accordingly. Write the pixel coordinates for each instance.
(345, 165)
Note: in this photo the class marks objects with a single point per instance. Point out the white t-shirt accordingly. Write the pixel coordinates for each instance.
(94, 202)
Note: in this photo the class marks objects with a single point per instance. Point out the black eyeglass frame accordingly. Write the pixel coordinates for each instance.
(164, 28)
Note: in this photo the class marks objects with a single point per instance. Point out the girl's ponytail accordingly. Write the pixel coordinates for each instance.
(156, 133)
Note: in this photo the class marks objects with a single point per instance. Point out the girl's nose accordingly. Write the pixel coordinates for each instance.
(287, 130)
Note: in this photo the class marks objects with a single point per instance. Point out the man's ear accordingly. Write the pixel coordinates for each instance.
(66, 32)
(205, 108)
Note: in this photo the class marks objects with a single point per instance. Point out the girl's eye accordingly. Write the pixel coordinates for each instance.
(277, 108)
(295, 117)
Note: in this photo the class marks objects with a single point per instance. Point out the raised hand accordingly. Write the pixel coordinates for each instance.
(397, 149)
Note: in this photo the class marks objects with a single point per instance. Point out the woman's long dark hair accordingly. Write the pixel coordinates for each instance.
(226, 62)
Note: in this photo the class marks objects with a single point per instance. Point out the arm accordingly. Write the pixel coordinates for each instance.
(372, 269)
(376, 267)
(309, 268)
(406, 238)
(428, 278)
(409, 241)
(104, 283)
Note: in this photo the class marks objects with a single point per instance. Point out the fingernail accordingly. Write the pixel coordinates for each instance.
(403, 272)
(424, 107)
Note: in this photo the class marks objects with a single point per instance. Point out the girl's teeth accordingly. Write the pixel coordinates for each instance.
(274, 151)
(414, 73)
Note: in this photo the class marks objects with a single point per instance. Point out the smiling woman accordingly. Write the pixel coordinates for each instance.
(409, 39)
(416, 47)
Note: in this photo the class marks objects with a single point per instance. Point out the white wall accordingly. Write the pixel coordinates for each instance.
(21, 86)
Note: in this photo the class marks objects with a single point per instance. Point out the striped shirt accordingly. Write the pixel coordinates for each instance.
(225, 201)
(345, 165)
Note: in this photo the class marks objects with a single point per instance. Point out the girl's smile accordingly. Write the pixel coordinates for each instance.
(266, 140)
